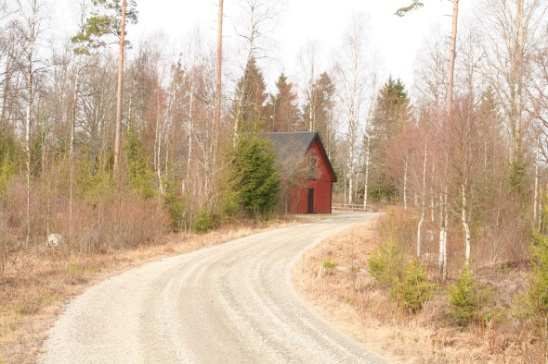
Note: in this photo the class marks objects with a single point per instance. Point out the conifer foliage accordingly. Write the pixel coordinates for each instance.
(283, 107)
(249, 108)
(391, 115)
(318, 108)
(255, 183)
(103, 21)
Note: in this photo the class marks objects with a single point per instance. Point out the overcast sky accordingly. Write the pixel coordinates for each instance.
(394, 42)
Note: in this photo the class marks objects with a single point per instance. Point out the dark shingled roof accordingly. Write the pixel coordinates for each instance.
(291, 145)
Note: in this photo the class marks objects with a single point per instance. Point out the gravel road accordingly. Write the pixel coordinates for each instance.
(232, 303)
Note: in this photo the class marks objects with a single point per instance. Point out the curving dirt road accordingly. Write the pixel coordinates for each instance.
(232, 303)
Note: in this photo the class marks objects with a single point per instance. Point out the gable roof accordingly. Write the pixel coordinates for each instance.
(288, 145)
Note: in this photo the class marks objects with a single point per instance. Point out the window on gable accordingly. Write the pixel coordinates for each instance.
(312, 167)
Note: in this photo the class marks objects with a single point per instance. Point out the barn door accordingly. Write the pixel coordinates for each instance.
(310, 201)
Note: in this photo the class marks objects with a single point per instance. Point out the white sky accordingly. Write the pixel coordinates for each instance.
(394, 41)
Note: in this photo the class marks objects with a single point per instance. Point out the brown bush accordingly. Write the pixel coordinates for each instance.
(117, 219)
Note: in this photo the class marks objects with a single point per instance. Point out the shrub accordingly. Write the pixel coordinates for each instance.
(386, 262)
(205, 221)
(414, 289)
(9, 153)
(254, 179)
(329, 265)
(538, 292)
(141, 176)
(464, 298)
(175, 208)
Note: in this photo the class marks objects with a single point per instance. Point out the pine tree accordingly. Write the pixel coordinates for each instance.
(109, 18)
(104, 21)
(249, 111)
(391, 113)
(318, 109)
(282, 108)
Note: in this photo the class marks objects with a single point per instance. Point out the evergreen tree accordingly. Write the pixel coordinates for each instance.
(282, 108)
(391, 113)
(104, 21)
(141, 176)
(249, 110)
(255, 183)
(318, 109)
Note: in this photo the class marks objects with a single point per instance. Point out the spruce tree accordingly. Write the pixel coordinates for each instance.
(255, 183)
(282, 108)
(249, 111)
(318, 108)
(391, 113)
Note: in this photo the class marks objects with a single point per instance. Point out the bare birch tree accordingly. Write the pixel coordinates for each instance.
(352, 84)
(30, 27)
(218, 67)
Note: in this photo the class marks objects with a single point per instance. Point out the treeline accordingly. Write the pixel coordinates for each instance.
(66, 169)
(467, 163)
(469, 156)
(106, 150)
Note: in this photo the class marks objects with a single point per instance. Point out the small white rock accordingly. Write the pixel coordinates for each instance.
(55, 240)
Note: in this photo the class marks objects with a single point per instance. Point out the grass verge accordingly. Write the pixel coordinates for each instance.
(356, 303)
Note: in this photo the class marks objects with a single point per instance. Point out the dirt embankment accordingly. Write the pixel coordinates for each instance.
(334, 278)
(35, 286)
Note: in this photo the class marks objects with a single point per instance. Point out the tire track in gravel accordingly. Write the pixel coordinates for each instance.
(232, 303)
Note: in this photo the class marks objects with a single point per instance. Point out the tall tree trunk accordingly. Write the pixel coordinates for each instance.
(218, 69)
(442, 258)
(452, 58)
(71, 151)
(30, 91)
(158, 143)
(405, 167)
(432, 195)
(190, 134)
(536, 220)
(351, 175)
(366, 182)
(517, 83)
(6, 92)
(466, 224)
(120, 88)
(423, 202)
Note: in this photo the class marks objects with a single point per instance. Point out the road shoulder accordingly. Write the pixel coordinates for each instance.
(35, 289)
(331, 278)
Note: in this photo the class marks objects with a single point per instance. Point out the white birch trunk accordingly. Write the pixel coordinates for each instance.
(218, 68)
(466, 225)
(423, 202)
(536, 220)
(366, 182)
(30, 91)
(190, 138)
(71, 150)
(158, 146)
(517, 79)
(442, 257)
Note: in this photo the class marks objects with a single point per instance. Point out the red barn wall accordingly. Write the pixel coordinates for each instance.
(322, 185)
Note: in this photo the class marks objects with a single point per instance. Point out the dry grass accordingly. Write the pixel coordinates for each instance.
(346, 294)
(35, 286)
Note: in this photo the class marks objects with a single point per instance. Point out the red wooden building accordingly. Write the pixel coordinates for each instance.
(307, 171)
